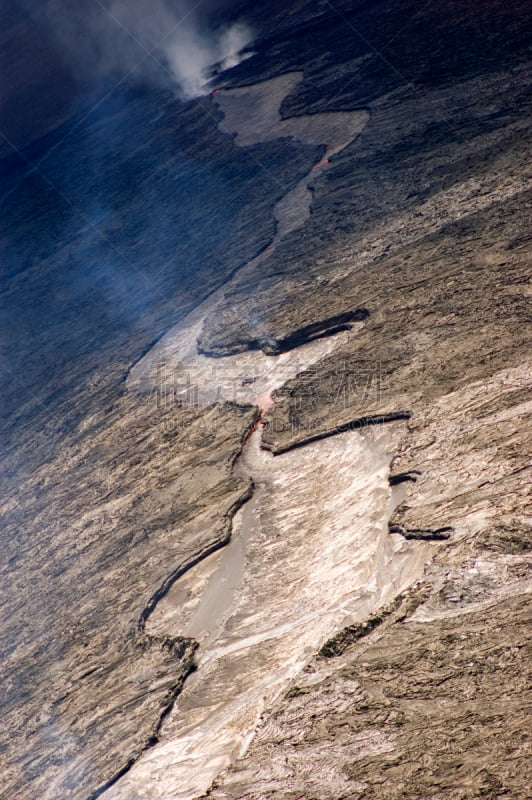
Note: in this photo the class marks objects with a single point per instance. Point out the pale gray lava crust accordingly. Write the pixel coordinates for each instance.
(112, 490)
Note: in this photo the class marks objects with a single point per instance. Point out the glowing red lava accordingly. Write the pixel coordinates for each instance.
(258, 421)
(264, 402)
(324, 162)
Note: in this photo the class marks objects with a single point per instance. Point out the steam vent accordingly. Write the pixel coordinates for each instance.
(265, 363)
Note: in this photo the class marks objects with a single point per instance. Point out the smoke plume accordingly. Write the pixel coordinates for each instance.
(192, 53)
(187, 42)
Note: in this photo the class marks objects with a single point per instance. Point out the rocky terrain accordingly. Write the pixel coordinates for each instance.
(265, 479)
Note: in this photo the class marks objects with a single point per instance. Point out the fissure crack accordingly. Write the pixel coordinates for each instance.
(182, 648)
(355, 424)
(425, 534)
(186, 660)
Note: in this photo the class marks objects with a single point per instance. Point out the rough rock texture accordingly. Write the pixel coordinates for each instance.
(106, 498)
(130, 503)
(428, 698)
(429, 704)
(141, 211)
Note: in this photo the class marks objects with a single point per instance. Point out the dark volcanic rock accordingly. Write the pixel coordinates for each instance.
(119, 219)
(307, 333)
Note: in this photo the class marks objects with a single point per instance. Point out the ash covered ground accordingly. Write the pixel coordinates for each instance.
(331, 234)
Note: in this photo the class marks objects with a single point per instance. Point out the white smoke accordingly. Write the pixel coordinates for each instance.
(176, 34)
(194, 52)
